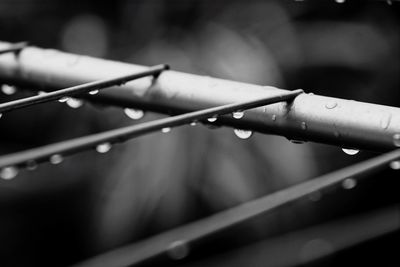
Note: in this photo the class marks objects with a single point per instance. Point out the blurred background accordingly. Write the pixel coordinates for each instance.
(61, 214)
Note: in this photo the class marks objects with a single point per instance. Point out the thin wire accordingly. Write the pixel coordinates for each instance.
(341, 234)
(17, 47)
(79, 89)
(122, 134)
(140, 252)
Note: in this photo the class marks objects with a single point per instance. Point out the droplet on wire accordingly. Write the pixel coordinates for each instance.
(8, 173)
(331, 105)
(8, 89)
(349, 183)
(94, 92)
(350, 151)
(340, 1)
(238, 114)
(74, 103)
(166, 130)
(56, 159)
(103, 148)
(243, 134)
(193, 123)
(385, 121)
(1, 115)
(396, 140)
(395, 165)
(134, 114)
(212, 119)
(31, 165)
(63, 99)
(178, 250)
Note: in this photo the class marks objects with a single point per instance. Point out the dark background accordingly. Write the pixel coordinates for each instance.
(61, 214)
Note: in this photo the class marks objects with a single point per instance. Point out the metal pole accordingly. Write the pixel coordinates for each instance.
(329, 120)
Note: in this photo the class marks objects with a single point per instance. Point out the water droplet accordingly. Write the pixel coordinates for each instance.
(340, 1)
(31, 165)
(385, 121)
(103, 148)
(310, 93)
(41, 93)
(8, 89)
(304, 125)
(1, 115)
(193, 123)
(331, 105)
(350, 151)
(273, 117)
(212, 119)
(8, 173)
(238, 114)
(63, 99)
(56, 159)
(134, 114)
(166, 130)
(395, 165)
(349, 183)
(389, 2)
(396, 140)
(243, 134)
(94, 92)
(74, 103)
(178, 250)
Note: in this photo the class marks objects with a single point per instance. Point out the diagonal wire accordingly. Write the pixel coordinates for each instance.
(79, 89)
(122, 134)
(161, 244)
(17, 47)
(342, 234)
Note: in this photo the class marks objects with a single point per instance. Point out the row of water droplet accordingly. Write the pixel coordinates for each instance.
(136, 114)
(242, 134)
(10, 172)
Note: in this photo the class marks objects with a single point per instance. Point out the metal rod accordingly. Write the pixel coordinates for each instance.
(140, 252)
(122, 134)
(314, 118)
(79, 89)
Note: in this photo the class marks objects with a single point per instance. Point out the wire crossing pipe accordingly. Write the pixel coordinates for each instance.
(310, 117)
